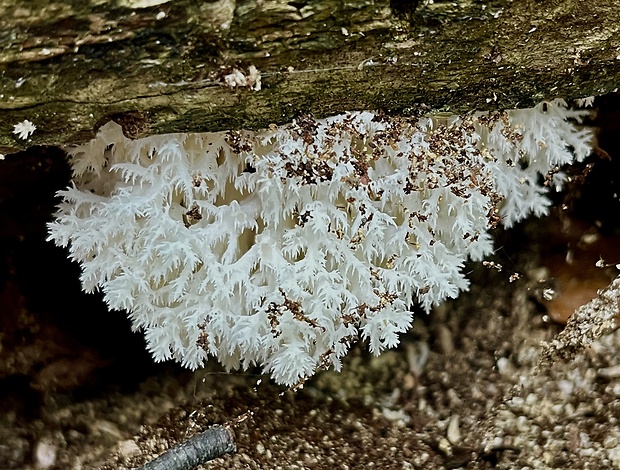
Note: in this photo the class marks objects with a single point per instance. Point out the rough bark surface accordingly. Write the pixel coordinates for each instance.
(68, 66)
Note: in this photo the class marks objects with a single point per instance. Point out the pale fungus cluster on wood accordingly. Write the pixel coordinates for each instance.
(282, 248)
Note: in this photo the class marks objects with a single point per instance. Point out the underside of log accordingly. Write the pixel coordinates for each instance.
(159, 67)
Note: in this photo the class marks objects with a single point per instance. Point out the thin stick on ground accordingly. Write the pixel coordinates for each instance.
(200, 448)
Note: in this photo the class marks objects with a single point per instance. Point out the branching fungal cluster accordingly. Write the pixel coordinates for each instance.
(283, 247)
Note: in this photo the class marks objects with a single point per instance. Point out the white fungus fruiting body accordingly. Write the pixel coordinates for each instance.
(24, 129)
(283, 247)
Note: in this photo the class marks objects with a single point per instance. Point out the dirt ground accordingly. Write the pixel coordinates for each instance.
(465, 388)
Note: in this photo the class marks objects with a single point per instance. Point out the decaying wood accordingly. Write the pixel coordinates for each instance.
(598, 317)
(70, 66)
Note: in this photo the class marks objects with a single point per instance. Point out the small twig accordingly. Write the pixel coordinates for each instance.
(200, 448)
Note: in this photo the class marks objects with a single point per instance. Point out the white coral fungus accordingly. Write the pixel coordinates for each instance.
(24, 129)
(251, 80)
(281, 248)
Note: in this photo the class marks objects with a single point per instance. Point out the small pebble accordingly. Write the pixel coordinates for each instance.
(44, 454)
(128, 448)
(454, 433)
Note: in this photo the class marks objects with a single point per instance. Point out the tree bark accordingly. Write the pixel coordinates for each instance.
(70, 66)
